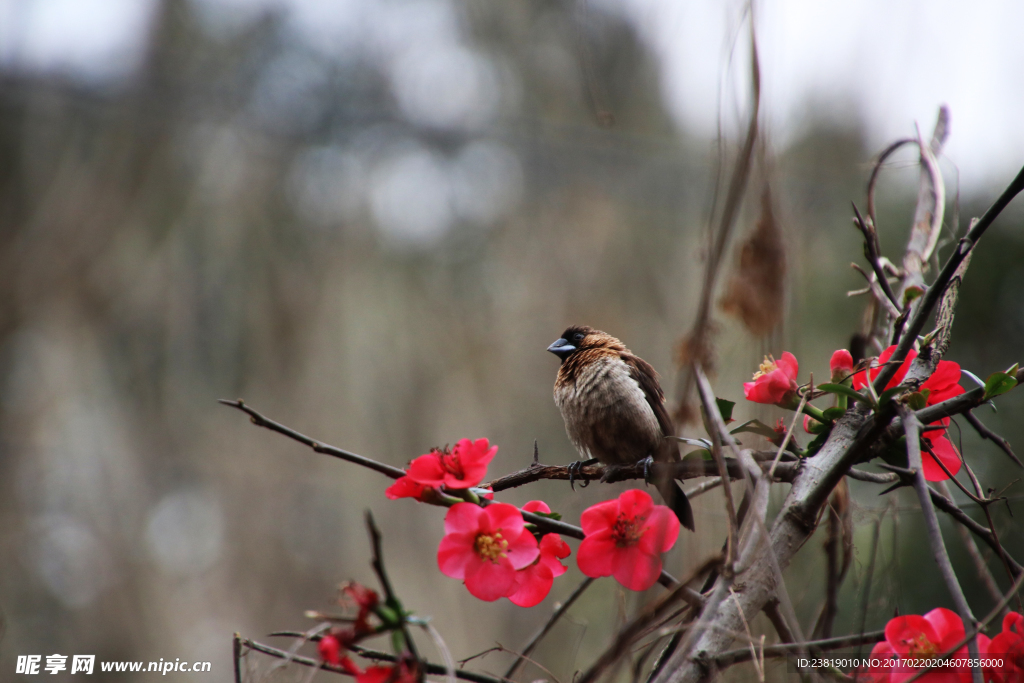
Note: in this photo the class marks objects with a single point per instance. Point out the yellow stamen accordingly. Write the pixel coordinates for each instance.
(766, 367)
(490, 547)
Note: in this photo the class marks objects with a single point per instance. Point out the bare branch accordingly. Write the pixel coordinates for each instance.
(934, 293)
(912, 427)
(548, 625)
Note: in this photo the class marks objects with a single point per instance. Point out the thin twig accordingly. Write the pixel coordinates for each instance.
(987, 433)
(548, 625)
(980, 566)
(651, 612)
(730, 657)
(390, 598)
(702, 488)
(872, 255)
(236, 651)
(261, 421)
(789, 433)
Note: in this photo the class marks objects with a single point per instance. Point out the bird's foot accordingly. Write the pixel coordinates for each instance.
(574, 471)
(648, 461)
(611, 472)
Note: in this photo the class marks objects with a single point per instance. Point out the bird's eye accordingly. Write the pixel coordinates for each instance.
(578, 337)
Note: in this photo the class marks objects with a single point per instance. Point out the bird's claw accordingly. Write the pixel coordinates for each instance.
(574, 471)
(648, 461)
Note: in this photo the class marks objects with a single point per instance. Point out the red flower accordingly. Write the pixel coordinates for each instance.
(406, 487)
(882, 653)
(1008, 646)
(331, 649)
(484, 547)
(774, 382)
(625, 538)
(841, 365)
(462, 468)
(943, 384)
(945, 451)
(533, 582)
(916, 637)
(403, 672)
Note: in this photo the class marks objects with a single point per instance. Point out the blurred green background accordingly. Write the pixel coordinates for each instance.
(375, 246)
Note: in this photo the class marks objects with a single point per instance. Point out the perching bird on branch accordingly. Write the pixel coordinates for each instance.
(614, 409)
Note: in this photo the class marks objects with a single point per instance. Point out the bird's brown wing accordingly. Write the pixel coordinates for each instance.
(647, 378)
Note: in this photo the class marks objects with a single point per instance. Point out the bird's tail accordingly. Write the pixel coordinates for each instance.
(674, 497)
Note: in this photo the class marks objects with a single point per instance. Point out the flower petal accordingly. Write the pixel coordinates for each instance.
(660, 531)
(464, 518)
(536, 506)
(596, 554)
(949, 627)
(903, 633)
(455, 554)
(490, 580)
(635, 569)
(553, 548)
(600, 516)
(635, 503)
(427, 470)
(504, 518)
(405, 487)
(522, 550)
(532, 585)
(788, 365)
(946, 452)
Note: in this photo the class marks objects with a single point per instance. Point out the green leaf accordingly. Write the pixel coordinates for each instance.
(550, 515)
(755, 427)
(699, 443)
(911, 293)
(833, 413)
(845, 391)
(998, 383)
(888, 395)
(918, 399)
(703, 454)
(725, 408)
(819, 441)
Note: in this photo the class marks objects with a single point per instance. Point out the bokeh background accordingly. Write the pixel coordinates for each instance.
(369, 219)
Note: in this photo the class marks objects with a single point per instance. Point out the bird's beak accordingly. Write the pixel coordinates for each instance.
(561, 348)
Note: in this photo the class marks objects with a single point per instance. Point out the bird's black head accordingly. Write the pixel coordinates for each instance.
(570, 341)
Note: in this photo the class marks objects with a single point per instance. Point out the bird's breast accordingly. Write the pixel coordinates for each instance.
(606, 413)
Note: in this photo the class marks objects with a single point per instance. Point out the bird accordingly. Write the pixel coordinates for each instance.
(614, 408)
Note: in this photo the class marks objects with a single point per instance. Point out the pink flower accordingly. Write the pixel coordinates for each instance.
(462, 468)
(1008, 646)
(774, 382)
(406, 487)
(533, 582)
(484, 547)
(841, 365)
(625, 538)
